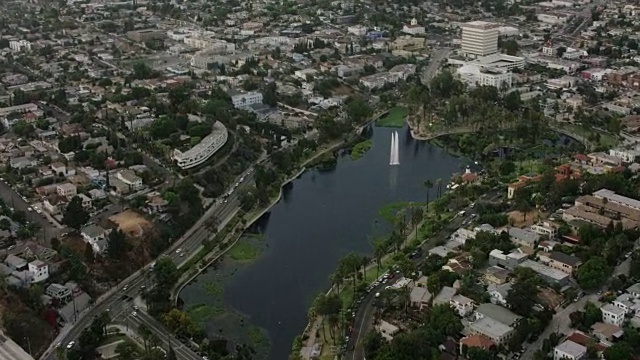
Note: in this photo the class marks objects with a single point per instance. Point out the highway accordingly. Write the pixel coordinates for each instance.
(116, 298)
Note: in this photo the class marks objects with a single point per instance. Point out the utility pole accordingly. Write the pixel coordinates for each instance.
(28, 344)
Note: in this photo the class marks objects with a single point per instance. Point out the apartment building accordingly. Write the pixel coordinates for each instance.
(569, 350)
(474, 75)
(564, 262)
(612, 314)
(245, 100)
(202, 151)
(479, 38)
(146, 35)
(605, 207)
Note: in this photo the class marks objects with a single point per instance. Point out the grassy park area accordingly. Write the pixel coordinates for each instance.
(395, 118)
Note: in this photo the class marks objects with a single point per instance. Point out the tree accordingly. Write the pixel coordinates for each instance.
(358, 109)
(522, 296)
(75, 216)
(593, 273)
(428, 184)
(126, 351)
(618, 351)
(166, 272)
(89, 256)
(117, 244)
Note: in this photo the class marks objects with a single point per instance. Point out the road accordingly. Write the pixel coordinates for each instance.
(117, 298)
(363, 321)
(434, 64)
(14, 200)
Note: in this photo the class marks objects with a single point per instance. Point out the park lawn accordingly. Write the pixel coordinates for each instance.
(606, 139)
(395, 118)
(360, 149)
(532, 166)
(243, 251)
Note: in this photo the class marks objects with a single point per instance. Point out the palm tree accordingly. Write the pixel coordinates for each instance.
(144, 333)
(365, 260)
(379, 250)
(416, 218)
(439, 186)
(319, 309)
(428, 184)
(336, 280)
(334, 321)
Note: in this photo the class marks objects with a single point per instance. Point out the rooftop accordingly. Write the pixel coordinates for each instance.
(498, 313)
(492, 328)
(571, 348)
(218, 130)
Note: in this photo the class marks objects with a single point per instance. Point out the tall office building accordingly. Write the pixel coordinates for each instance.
(479, 38)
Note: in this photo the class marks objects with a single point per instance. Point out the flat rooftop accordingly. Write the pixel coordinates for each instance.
(218, 130)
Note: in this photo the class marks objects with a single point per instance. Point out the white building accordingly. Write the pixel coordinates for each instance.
(357, 30)
(67, 190)
(244, 100)
(130, 178)
(479, 38)
(462, 304)
(39, 271)
(499, 61)
(612, 315)
(204, 149)
(475, 75)
(627, 155)
(20, 45)
(19, 109)
(569, 350)
(413, 28)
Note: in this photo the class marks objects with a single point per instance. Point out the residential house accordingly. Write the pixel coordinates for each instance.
(497, 312)
(493, 329)
(39, 271)
(523, 237)
(498, 294)
(564, 262)
(94, 235)
(86, 201)
(568, 350)
(476, 341)
(67, 190)
(130, 178)
(96, 194)
(51, 204)
(462, 305)
(496, 275)
(444, 296)
(612, 314)
(59, 168)
(606, 332)
(634, 290)
(419, 297)
(15, 263)
(387, 330)
(508, 261)
(59, 292)
(628, 303)
(547, 273)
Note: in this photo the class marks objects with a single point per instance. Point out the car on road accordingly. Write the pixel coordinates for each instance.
(71, 344)
(135, 313)
(30, 209)
(179, 251)
(125, 288)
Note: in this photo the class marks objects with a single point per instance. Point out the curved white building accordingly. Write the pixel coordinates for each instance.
(204, 149)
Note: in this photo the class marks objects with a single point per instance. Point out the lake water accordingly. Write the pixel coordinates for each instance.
(321, 218)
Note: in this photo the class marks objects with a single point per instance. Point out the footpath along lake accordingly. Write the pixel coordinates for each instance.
(262, 293)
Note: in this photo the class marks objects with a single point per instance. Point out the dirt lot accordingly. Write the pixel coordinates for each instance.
(342, 90)
(131, 223)
(516, 218)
